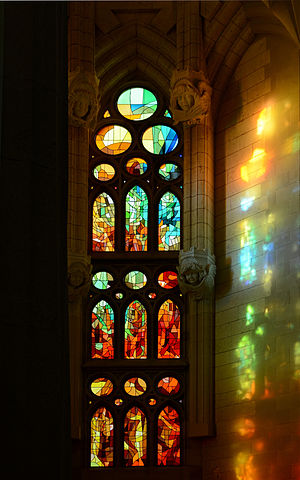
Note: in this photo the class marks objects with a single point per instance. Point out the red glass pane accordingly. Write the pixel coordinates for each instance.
(135, 438)
(168, 451)
(168, 279)
(102, 330)
(168, 386)
(169, 330)
(102, 438)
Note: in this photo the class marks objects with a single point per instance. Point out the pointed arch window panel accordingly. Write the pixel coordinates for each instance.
(135, 341)
(103, 224)
(136, 220)
(102, 330)
(169, 330)
(169, 222)
(135, 438)
(134, 366)
(168, 426)
(102, 438)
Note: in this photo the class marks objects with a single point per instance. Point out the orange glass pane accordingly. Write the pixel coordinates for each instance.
(168, 451)
(168, 386)
(102, 438)
(169, 330)
(102, 386)
(135, 438)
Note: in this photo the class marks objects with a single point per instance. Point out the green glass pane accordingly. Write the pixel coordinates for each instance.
(160, 139)
(169, 171)
(169, 222)
(135, 280)
(137, 103)
(101, 280)
(136, 220)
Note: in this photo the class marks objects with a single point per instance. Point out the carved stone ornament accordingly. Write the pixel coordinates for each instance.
(79, 279)
(83, 98)
(190, 97)
(196, 272)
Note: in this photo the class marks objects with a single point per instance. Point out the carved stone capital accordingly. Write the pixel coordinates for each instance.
(190, 97)
(83, 98)
(79, 279)
(196, 272)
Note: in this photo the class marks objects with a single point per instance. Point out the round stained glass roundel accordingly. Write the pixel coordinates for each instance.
(113, 139)
(102, 386)
(104, 172)
(135, 386)
(168, 386)
(102, 280)
(135, 280)
(137, 103)
(136, 166)
(169, 171)
(168, 279)
(160, 139)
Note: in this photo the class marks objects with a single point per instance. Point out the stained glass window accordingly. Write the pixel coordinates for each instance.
(102, 280)
(135, 386)
(169, 222)
(160, 139)
(102, 330)
(135, 191)
(104, 172)
(136, 166)
(137, 103)
(102, 438)
(168, 451)
(103, 224)
(135, 280)
(135, 438)
(113, 139)
(136, 220)
(169, 171)
(102, 386)
(135, 345)
(168, 279)
(169, 330)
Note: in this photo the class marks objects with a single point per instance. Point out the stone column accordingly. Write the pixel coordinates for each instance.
(83, 109)
(190, 103)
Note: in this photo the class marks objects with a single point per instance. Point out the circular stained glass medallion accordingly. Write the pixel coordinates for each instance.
(168, 386)
(169, 171)
(168, 279)
(101, 280)
(113, 139)
(136, 166)
(160, 139)
(104, 172)
(135, 386)
(118, 401)
(135, 280)
(102, 386)
(137, 103)
(152, 401)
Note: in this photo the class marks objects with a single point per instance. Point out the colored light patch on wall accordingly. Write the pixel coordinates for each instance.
(247, 254)
(169, 171)
(135, 280)
(102, 334)
(137, 103)
(168, 386)
(103, 235)
(169, 330)
(113, 139)
(169, 222)
(104, 172)
(135, 438)
(168, 451)
(135, 386)
(102, 386)
(168, 279)
(102, 438)
(136, 166)
(136, 220)
(246, 369)
(135, 344)
(255, 168)
(160, 139)
(102, 280)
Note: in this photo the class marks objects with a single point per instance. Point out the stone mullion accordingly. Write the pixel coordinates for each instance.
(83, 108)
